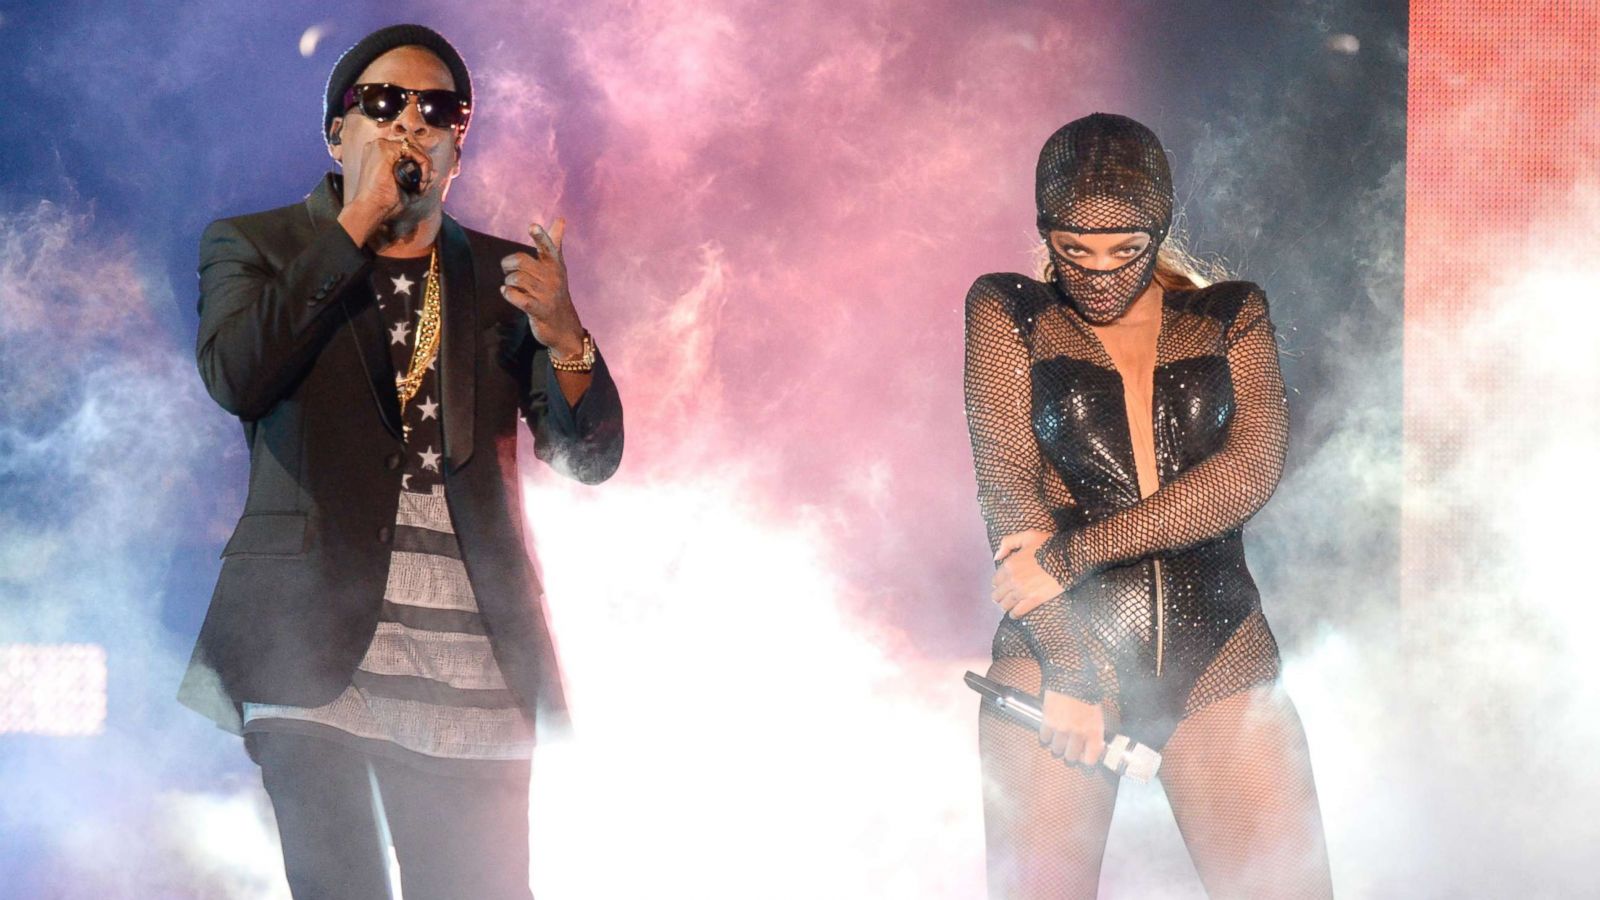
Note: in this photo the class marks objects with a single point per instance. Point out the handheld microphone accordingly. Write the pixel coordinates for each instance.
(1124, 756)
(408, 174)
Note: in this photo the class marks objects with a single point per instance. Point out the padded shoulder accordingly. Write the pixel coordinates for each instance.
(262, 228)
(1021, 297)
(1225, 300)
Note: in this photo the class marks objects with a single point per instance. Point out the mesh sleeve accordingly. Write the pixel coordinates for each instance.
(1217, 494)
(997, 385)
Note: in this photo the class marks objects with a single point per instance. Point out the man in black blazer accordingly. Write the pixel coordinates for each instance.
(368, 630)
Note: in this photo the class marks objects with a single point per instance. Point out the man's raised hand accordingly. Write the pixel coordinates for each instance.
(536, 283)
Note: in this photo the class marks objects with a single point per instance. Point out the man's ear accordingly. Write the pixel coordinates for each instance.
(455, 168)
(335, 142)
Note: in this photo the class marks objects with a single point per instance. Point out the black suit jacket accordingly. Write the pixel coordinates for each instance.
(291, 342)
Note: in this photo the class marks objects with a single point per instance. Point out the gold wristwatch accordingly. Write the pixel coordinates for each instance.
(584, 363)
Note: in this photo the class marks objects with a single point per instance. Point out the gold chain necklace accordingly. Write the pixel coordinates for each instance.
(427, 348)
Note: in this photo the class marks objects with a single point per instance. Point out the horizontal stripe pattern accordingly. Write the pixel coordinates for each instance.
(428, 581)
(422, 727)
(426, 690)
(418, 510)
(418, 619)
(463, 661)
(515, 769)
(429, 681)
(411, 539)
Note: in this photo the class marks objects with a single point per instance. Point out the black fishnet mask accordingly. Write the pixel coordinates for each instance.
(1103, 174)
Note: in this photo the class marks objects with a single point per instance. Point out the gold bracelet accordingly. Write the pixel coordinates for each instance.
(584, 362)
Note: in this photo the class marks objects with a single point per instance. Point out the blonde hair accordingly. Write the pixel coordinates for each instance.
(1176, 268)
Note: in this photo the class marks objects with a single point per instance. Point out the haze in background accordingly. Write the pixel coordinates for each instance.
(774, 214)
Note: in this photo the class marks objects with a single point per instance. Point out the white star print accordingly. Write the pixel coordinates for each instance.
(402, 285)
(397, 334)
(405, 482)
(429, 409)
(430, 459)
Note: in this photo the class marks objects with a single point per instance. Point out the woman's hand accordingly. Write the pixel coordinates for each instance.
(1073, 730)
(1020, 584)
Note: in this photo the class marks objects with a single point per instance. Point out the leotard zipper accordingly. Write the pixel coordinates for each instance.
(1161, 619)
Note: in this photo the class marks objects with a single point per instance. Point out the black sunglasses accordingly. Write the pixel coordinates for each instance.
(383, 102)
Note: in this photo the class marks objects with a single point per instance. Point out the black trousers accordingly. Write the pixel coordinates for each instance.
(455, 837)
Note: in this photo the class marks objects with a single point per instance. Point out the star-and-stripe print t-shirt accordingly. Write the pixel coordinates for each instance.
(428, 691)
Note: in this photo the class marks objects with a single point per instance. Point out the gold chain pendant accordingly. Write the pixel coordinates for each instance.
(427, 348)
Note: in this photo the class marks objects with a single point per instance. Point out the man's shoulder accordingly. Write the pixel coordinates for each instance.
(257, 225)
(299, 217)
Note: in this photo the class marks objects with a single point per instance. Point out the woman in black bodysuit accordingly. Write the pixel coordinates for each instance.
(1125, 422)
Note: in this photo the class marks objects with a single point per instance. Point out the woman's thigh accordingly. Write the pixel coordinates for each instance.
(1238, 775)
(1045, 821)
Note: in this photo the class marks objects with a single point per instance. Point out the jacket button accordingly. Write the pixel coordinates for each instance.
(384, 534)
(392, 461)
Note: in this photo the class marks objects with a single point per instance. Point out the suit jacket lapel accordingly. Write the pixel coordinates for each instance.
(361, 307)
(458, 353)
(366, 323)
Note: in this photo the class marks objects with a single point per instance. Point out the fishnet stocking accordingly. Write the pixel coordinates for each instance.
(1236, 771)
(1045, 822)
(1238, 775)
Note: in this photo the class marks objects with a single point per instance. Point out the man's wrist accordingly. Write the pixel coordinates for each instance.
(568, 347)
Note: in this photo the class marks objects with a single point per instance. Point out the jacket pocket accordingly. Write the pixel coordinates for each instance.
(273, 534)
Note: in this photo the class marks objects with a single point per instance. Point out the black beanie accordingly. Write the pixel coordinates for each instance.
(357, 58)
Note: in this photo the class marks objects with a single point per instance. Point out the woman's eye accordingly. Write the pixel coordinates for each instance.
(1074, 251)
(1129, 252)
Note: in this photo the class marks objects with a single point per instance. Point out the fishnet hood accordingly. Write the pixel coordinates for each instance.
(1104, 174)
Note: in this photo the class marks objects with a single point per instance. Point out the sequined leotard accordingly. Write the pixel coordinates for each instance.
(1160, 615)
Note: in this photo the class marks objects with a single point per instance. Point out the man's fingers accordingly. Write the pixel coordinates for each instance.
(541, 239)
(518, 297)
(515, 261)
(558, 231)
(416, 155)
